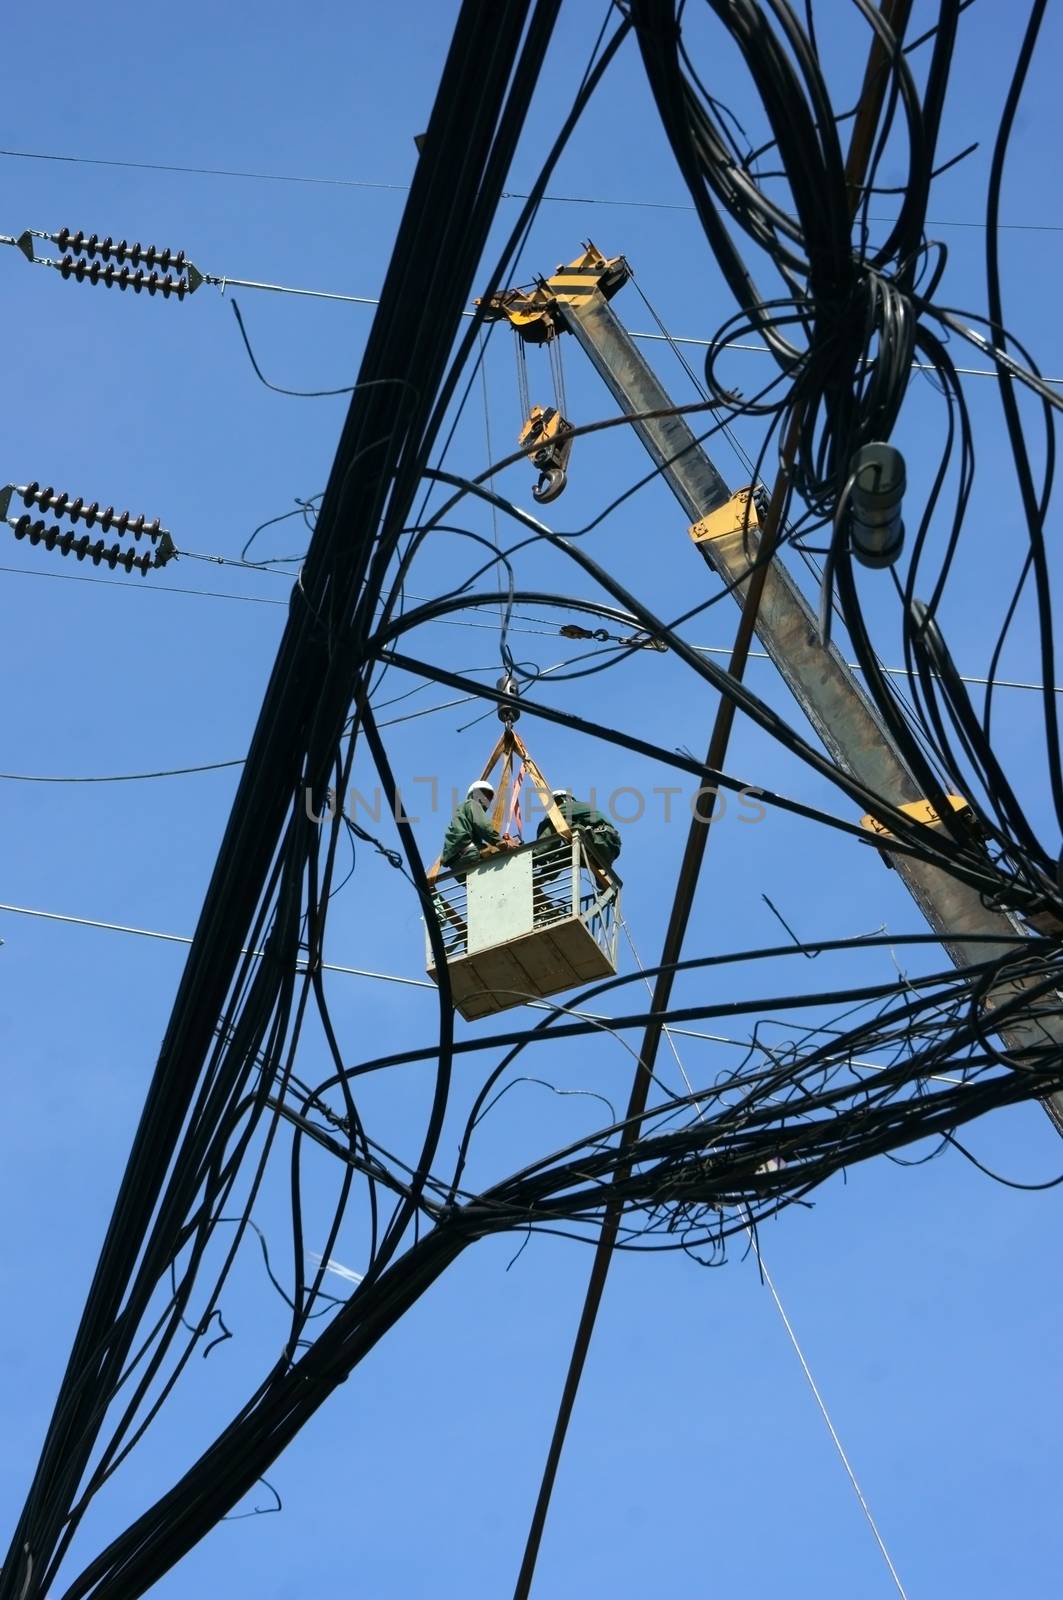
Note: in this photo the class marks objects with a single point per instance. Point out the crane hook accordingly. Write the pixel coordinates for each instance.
(546, 439)
(552, 481)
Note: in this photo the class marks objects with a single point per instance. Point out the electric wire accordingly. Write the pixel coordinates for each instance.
(769, 1282)
(403, 188)
(223, 283)
(865, 1068)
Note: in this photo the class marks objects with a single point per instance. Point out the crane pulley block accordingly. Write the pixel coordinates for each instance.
(509, 710)
(531, 312)
(534, 317)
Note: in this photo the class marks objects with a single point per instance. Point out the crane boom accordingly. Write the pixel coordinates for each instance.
(723, 526)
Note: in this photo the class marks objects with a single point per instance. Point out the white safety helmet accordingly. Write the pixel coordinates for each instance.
(480, 787)
(561, 794)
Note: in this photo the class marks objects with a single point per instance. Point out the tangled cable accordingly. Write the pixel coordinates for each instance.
(926, 1055)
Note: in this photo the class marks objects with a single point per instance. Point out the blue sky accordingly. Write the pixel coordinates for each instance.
(921, 1297)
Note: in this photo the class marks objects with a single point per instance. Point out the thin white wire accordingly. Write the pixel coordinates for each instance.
(284, 288)
(385, 977)
(826, 1415)
(761, 350)
(806, 1369)
(702, 344)
(421, 983)
(894, 672)
(452, 622)
(180, 938)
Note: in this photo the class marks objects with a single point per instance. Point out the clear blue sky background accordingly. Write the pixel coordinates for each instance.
(928, 1300)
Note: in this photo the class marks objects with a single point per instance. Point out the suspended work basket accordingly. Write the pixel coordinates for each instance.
(527, 923)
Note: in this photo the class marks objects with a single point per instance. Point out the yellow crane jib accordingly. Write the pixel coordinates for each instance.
(530, 312)
(546, 438)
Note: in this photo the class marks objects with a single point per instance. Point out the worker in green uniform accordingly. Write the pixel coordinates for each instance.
(470, 835)
(582, 818)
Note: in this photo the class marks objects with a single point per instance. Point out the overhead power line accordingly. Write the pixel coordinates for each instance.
(180, 938)
(159, 588)
(390, 977)
(85, 266)
(447, 622)
(403, 188)
(121, 777)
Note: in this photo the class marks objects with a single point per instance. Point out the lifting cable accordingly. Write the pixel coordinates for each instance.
(495, 539)
(523, 398)
(557, 371)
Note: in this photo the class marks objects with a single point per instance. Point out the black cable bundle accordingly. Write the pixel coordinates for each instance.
(852, 305)
(232, 1024)
(705, 1165)
(845, 338)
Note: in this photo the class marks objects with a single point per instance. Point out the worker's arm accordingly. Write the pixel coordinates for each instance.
(469, 833)
(483, 834)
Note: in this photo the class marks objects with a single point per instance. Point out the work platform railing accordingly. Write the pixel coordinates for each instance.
(526, 923)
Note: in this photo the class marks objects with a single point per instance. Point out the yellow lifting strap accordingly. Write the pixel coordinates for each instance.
(509, 745)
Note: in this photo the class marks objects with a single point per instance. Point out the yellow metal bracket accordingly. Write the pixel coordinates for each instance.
(920, 811)
(532, 312)
(737, 516)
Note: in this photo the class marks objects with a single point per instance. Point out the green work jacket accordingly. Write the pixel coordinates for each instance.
(469, 833)
(581, 815)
